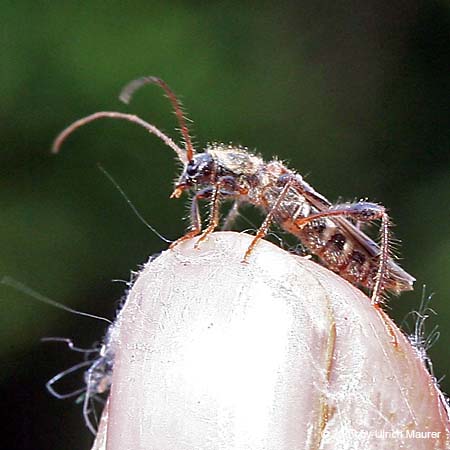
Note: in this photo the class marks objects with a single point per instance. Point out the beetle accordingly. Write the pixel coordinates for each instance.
(227, 172)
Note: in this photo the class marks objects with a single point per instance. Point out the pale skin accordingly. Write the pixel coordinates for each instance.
(278, 353)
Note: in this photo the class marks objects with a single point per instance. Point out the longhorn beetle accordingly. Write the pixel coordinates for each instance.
(232, 172)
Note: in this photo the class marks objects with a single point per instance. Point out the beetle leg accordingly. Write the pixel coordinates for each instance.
(262, 231)
(196, 222)
(214, 215)
(362, 212)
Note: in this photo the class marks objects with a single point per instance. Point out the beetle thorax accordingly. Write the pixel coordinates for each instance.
(237, 161)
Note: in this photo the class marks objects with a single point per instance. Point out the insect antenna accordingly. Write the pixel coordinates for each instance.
(129, 90)
(117, 115)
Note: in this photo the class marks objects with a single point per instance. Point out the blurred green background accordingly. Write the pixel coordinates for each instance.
(353, 94)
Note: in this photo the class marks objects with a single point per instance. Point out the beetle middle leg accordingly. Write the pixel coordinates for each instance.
(262, 231)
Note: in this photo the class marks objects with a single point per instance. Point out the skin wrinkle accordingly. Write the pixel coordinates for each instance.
(329, 357)
(326, 409)
(394, 346)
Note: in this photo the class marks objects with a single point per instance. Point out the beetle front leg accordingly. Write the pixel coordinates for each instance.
(214, 215)
(196, 222)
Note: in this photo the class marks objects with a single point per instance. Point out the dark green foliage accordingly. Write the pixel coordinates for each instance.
(355, 96)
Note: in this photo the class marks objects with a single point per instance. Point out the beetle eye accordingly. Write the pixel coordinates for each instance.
(191, 169)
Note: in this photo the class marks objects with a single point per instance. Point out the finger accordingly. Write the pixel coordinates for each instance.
(278, 353)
